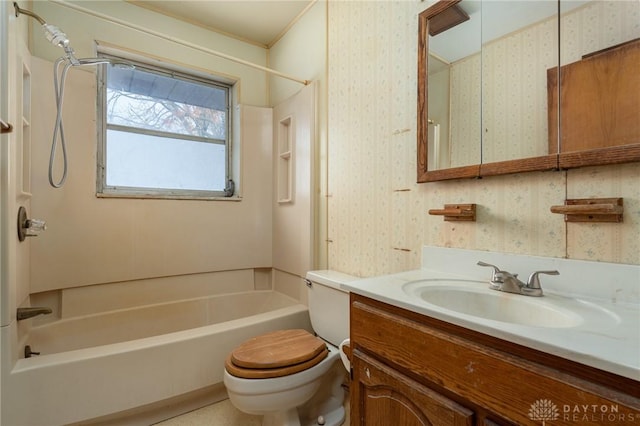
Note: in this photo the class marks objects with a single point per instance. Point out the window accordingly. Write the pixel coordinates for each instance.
(164, 134)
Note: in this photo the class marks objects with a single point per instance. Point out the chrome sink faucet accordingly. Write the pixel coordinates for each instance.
(508, 282)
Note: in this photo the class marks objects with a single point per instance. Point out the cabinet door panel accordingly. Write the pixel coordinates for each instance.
(383, 397)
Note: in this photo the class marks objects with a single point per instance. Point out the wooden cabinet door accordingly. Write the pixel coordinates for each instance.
(383, 396)
(599, 101)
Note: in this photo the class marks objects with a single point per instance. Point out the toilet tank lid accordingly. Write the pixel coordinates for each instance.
(330, 278)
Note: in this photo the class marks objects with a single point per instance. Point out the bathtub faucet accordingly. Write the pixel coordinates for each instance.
(25, 313)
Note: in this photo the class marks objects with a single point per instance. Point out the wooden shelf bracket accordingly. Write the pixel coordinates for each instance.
(456, 212)
(591, 210)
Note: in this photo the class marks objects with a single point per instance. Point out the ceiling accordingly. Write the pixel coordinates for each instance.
(258, 21)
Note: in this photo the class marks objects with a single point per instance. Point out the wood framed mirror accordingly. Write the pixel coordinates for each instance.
(516, 123)
(434, 165)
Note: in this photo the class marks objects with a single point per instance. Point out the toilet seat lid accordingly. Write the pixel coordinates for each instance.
(282, 348)
(268, 373)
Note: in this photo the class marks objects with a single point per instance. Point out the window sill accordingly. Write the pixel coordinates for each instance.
(167, 197)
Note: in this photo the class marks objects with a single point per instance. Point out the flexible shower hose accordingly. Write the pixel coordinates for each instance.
(59, 127)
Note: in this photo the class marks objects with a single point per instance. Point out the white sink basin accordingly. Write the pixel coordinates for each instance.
(474, 298)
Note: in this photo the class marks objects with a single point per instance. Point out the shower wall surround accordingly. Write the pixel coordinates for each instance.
(93, 240)
(96, 241)
(377, 214)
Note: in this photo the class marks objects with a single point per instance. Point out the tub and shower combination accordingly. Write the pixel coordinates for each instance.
(117, 361)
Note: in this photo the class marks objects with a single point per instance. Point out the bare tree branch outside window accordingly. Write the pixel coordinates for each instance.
(134, 110)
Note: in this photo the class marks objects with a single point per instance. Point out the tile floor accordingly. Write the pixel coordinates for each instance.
(219, 414)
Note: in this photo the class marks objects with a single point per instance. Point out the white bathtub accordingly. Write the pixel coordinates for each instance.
(97, 365)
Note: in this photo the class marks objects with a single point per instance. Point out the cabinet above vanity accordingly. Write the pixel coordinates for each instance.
(519, 86)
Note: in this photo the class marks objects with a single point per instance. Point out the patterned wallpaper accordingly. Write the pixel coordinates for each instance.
(466, 118)
(581, 30)
(377, 214)
(514, 94)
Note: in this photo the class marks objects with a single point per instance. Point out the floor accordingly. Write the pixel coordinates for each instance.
(219, 414)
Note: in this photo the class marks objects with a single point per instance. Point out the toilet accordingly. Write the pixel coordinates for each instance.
(293, 377)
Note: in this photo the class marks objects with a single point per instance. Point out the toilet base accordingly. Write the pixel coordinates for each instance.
(328, 402)
(335, 417)
(282, 418)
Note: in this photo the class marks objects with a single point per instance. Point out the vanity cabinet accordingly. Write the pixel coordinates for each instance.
(388, 395)
(411, 369)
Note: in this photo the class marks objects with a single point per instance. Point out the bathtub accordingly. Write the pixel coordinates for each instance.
(93, 366)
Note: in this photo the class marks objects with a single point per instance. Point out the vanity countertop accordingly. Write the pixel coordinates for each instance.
(612, 345)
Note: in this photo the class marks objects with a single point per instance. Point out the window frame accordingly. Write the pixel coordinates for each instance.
(109, 191)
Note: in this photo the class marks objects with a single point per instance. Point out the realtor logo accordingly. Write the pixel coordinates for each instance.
(543, 410)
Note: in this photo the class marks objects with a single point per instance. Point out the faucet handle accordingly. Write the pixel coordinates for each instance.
(497, 275)
(29, 227)
(481, 263)
(33, 227)
(534, 281)
(496, 270)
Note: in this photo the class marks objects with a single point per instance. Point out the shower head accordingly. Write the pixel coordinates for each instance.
(52, 33)
(55, 35)
(58, 38)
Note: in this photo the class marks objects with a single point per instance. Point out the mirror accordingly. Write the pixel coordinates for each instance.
(519, 45)
(454, 70)
(446, 151)
(488, 103)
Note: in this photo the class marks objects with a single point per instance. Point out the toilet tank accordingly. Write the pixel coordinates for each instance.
(329, 304)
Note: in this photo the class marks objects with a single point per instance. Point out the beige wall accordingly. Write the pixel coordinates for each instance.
(293, 167)
(302, 52)
(85, 30)
(93, 240)
(15, 89)
(377, 214)
(101, 240)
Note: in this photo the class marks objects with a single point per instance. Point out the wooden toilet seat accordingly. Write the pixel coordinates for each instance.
(276, 354)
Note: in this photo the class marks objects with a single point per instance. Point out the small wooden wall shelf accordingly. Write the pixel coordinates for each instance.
(456, 212)
(591, 210)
